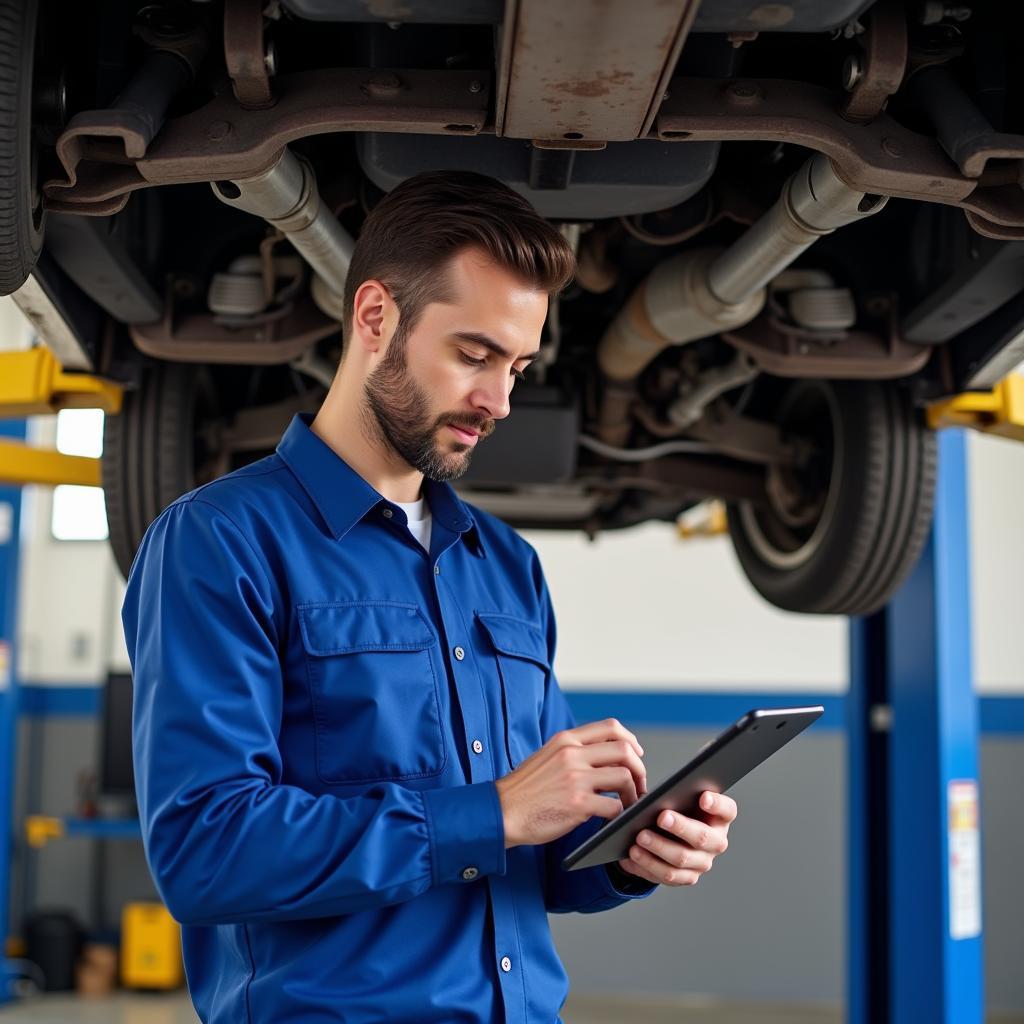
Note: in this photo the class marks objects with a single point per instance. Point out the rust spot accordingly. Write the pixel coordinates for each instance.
(768, 16)
(602, 85)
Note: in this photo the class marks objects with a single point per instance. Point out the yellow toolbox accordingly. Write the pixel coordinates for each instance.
(150, 947)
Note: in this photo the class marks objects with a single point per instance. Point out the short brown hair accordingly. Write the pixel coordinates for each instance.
(415, 230)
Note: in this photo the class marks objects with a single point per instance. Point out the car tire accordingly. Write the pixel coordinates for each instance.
(148, 454)
(21, 212)
(841, 533)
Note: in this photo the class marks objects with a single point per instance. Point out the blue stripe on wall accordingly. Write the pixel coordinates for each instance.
(694, 709)
(1000, 716)
(59, 700)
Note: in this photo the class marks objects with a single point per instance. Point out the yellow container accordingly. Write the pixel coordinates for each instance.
(150, 947)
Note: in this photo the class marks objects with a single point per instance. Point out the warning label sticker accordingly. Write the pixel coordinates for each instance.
(964, 860)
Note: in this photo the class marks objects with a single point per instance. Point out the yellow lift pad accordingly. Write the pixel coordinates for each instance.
(32, 383)
(999, 411)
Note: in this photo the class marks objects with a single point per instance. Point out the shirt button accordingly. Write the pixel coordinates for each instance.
(459, 654)
(387, 513)
(437, 570)
(478, 747)
(506, 964)
(469, 874)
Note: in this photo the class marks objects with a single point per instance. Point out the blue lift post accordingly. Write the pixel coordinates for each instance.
(10, 520)
(915, 932)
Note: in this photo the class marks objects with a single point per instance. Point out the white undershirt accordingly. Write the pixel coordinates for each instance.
(418, 514)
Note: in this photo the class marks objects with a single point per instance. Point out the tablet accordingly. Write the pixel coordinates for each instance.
(719, 765)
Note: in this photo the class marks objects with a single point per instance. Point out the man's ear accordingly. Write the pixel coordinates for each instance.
(374, 316)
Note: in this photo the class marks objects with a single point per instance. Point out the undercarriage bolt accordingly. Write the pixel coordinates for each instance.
(853, 72)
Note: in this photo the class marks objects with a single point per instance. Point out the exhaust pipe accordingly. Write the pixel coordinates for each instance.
(814, 202)
(696, 294)
(286, 196)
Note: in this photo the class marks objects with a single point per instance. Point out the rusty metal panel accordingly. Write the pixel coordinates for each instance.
(590, 70)
(224, 140)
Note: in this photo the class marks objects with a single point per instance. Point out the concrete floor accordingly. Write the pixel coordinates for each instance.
(176, 1009)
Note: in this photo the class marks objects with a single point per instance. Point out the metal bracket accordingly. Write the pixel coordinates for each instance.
(885, 59)
(999, 411)
(122, 133)
(247, 60)
(223, 140)
(882, 157)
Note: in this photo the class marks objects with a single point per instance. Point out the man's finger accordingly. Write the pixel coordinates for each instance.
(606, 729)
(661, 871)
(699, 834)
(601, 755)
(615, 780)
(675, 853)
(722, 807)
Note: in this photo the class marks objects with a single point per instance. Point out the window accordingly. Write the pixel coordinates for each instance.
(79, 512)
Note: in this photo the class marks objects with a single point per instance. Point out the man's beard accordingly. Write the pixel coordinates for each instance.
(397, 414)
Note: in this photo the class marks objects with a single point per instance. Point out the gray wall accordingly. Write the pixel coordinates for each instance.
(62, 873)
(768, 923)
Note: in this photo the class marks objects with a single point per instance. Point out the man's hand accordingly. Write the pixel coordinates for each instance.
(692, 848)
(559, 786)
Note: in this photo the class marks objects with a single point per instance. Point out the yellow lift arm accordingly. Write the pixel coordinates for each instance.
(33, 383)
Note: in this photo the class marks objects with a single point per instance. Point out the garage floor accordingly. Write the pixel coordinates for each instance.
(176, 1009)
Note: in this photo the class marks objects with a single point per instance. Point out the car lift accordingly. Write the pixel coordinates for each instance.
(32, 382)
(914, 871)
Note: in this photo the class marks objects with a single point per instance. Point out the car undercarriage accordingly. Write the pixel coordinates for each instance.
(796, 225)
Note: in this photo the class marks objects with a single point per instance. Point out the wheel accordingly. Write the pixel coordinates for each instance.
(840, 532)
(21, 208)
(148, 454)
(183, 426)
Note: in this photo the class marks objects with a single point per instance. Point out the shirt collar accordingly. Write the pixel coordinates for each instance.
(343, 497)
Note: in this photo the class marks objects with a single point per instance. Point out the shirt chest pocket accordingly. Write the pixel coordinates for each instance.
(374, 691)
(521, 657)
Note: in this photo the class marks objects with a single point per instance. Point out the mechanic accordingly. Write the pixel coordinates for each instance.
(357, 775)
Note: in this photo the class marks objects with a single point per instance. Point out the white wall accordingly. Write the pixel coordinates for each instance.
(996, 509)
(644, 609)
(69, 627)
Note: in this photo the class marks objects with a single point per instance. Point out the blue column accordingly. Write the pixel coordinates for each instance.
(935, 846)
(915, 939)
(10, 519)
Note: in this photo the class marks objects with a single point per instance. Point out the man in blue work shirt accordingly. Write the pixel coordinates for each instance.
(357, 775)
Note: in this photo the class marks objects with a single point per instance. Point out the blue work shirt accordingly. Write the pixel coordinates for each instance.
(321, 711)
